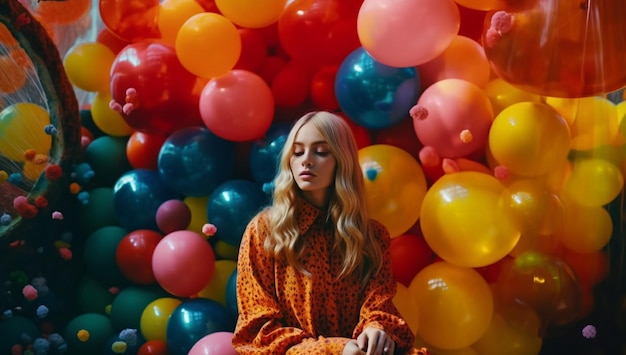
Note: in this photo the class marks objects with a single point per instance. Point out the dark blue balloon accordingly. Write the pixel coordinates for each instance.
(232, 205)
(375, 95)
(193, 161)
(231, 293)
(265, 153)
(137, 195)
(194, 319)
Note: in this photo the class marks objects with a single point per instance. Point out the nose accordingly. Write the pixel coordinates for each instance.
(307, 164)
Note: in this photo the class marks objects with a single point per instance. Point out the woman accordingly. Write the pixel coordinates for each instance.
(314, 272)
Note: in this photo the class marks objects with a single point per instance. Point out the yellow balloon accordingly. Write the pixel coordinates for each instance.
(455, 305)
(216, 288)
(406, 305)
(208, 44)
(529, 138)
(154, 318)
(502, 95)
(88, 65)
(22, 127)
(197, 206)
(172, 15)
(594, 182)
(395, 185)
(502, 338)
(587, 229)
(593, 121)
(106, 119)
(467, 219)
(252, 13)
(224, 250)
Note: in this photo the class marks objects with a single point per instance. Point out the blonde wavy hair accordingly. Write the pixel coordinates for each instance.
(353, 237)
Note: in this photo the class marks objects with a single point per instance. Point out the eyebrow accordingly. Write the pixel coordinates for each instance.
(314, 143)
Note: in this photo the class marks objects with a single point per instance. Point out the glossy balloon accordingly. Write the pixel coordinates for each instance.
(265, 153)
(134, 255)
(460, 233)
(130, 20)
(231, 206)
(252, 13)
(164, 100)
(88, 65)
(22, 128)
(193, 161)
(155, 316)
(559, 49)
(395, 186)
(373, 94)
(142, 149)
(194, 319)
(137, 195)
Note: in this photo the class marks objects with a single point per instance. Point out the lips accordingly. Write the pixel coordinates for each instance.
(306, 173)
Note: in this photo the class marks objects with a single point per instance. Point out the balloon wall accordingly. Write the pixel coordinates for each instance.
(491, 137)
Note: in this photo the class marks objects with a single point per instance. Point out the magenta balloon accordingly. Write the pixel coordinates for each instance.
(218, 343)
(183, 263)
(173, 215)
(237, 106)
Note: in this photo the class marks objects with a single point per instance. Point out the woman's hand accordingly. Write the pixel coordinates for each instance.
(374, 341)
(352, 348)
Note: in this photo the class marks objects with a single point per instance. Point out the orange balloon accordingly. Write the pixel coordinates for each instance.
(502, 338)
(558, 48)
(172, 15)
(587, 229)
(63, 12)
(131, 20)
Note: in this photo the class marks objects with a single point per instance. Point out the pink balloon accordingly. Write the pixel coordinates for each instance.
(237, 106)
(183, 263)
(173, 215)
(453, 116)
(406, 33)
(218, 343)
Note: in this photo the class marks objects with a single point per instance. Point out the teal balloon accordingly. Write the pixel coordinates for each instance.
(107, 157)
(231, 293)
(129, 304)
(92, 296)
(232, 205)
(265, 153)
(99, 255)
(194, 319)
(12, 330)
(97, 325)
(375, 95)
(99, 212)
(137, 195)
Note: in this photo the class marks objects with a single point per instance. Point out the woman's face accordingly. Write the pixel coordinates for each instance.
(312, 165)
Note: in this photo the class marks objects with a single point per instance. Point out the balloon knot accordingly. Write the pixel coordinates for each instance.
(115, 106)
(418, 112)
(209, 229)
(132, 101)
(501, 173)
(450, 166)
(502, 22)
(428, 156)
(466, 136)
(128, 108)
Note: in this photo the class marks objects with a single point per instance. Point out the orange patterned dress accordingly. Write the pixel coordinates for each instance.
(282, 311)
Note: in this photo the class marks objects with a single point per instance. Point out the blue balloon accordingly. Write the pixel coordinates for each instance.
(375, 95)
(194, 319)
(137, 195)
(232, 205)
(193, 161)
(231, 293)
(265, 153)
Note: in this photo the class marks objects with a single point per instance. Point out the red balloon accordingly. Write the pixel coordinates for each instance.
(362, 135)
(134, 255)
(320, 32)
(271, 66)
(401, 135)
(323, 88)
(114, 43)
(153, 347)
(173, 215)
(253, 50)
(290, 86)
(142, 149)
(471, 24)
(409, 255)
(131, 20)
(149, 80)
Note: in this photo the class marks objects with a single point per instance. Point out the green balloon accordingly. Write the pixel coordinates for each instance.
(99, 328)
(99, 212)
(11, 330)
(129, 304)
(107, 157)
(92, 296)
(99, 254)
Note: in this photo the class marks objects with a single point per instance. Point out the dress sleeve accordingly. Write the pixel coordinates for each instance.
(378, 309)
(260, 329)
